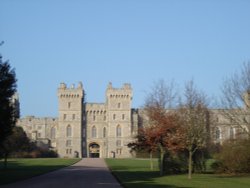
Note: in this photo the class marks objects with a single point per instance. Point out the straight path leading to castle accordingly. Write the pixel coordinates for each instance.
(87, 173)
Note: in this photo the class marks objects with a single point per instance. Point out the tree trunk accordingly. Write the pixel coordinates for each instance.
(161, 161)
(151, 161)
(190, 165)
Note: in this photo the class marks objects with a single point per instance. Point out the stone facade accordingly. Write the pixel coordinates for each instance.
(104, 129)
(87, 129)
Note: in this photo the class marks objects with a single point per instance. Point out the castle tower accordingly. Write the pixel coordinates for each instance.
(118, 102)
(70, 101)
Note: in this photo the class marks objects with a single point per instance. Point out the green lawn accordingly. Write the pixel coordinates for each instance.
(135, 173)
(19, 169)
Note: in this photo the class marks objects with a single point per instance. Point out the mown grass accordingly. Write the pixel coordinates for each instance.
(135, 173)
(19, 169)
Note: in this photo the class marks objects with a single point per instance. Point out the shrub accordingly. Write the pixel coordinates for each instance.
(234, 157)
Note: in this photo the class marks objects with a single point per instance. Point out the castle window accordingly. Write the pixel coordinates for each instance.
(119, 105)
(217, 133)
(64, 116)
(73, 116)
(123, 116)
(119, 151)
(53, 133)
(104, 118)
(39, 135)
(68, 143)
(114, 116)
(69, 104)
(118, 131)
(68, 151)
(94, 132)
(118, 143)
(68, 131)
(104, 132)
(94, 118)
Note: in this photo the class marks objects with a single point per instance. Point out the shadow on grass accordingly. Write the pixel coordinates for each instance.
(142, 179)
(19, 170)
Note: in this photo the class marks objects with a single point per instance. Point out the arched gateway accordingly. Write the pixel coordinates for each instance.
(94, 150)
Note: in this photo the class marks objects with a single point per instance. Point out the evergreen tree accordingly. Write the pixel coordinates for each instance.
(7, 109)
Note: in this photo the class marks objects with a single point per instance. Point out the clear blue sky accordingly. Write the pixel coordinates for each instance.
(135, 41)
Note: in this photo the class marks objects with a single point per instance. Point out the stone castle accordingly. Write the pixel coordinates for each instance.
(102, 129)
(87, 129)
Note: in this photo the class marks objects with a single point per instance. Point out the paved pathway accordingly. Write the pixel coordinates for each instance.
(87, 173)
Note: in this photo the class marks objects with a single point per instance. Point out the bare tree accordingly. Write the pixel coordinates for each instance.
(235, 99)
(163, 125)
(194, 114)
(163, 95)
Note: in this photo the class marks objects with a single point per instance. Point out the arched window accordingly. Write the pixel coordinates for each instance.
(118, 131)
(69, 131)
(93, 132)
(217, 133)
(53, 133)
(68, 143)
(118, 143)
(104, 132)
(114, 116)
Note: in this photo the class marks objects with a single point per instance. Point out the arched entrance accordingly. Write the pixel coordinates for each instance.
(94, 150)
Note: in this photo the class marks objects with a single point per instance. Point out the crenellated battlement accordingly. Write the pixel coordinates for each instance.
(125, 92)
(70, 92)
(72, 87)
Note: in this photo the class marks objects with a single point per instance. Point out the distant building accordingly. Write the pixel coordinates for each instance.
(103, 129)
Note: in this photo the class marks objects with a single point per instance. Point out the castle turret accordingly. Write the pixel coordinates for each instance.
(70, 101)
(118, 101)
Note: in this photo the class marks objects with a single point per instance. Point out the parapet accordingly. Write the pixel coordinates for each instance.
(70, 92)
(64, 86)
(126, 86)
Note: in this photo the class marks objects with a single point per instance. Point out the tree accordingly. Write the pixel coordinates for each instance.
(143, 143)
(14, 143)
(7, 110)
(235, 99)
(194, 114)
(162, 132)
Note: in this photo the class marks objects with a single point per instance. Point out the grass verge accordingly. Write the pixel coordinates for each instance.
(135, 173)
(19, 169)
